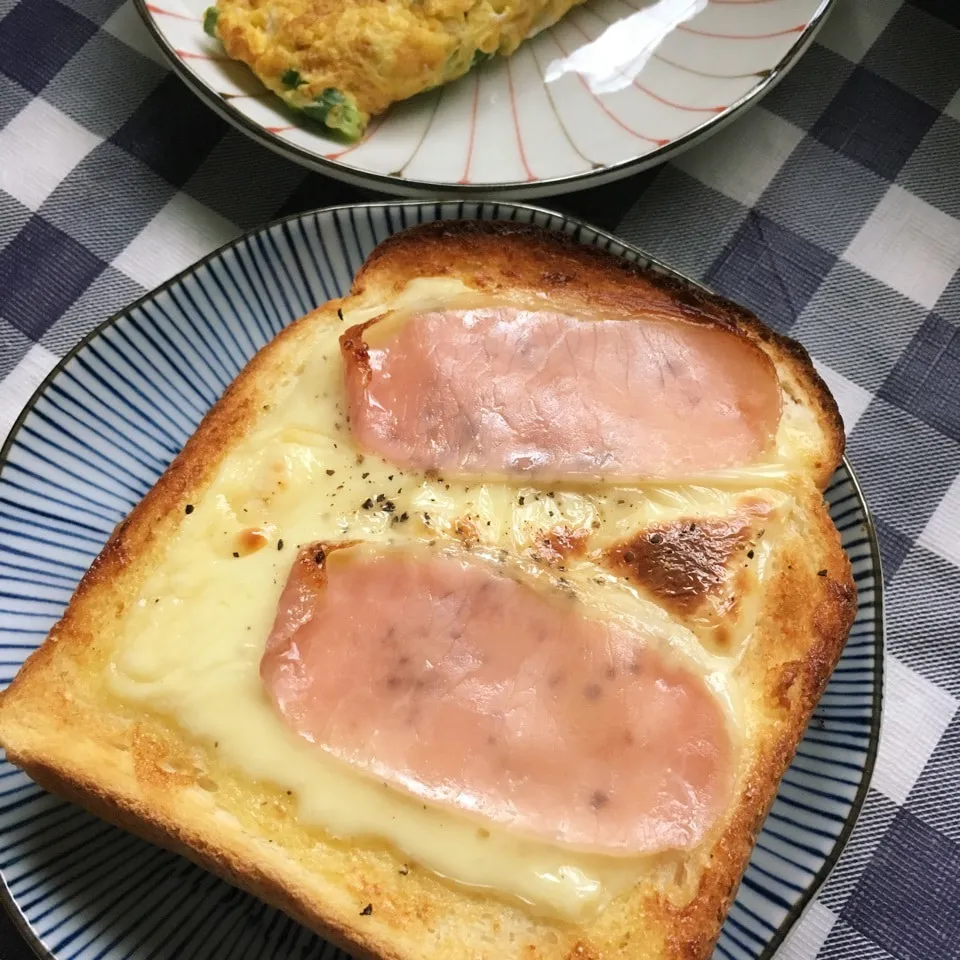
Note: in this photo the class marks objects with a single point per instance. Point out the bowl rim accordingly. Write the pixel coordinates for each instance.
(8, 901)
(565, 184)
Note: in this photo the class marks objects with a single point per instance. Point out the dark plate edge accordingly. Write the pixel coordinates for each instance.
(856, 808)
(576, 181)
(6, 897)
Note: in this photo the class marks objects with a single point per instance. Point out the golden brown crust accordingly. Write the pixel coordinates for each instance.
(135, 770)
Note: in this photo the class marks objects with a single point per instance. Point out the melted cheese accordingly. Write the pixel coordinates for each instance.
(296, 478)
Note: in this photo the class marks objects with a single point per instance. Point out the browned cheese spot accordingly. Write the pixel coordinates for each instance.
(466, 532)
(562, 542)
(250, 541)
(681, 562)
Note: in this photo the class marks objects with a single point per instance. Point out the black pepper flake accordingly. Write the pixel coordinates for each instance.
(656, 538)
(188, 509)
(628, 557)
(368, 504)
(367, 910)
(404, 870)
(319, 557)
(339, 313)
(280, 544)
(235, 553)
(363, 476)
(821, 573)
(426, 518)
(389, 506)
(330, 473)
(390, 477)
(522, 501)
(404, 517)
(381, 497)
(552, 495)
(749, 554)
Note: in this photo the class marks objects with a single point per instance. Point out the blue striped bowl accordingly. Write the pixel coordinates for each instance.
(93, 440)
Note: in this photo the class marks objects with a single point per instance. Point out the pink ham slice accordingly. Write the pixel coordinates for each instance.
(447, 679)
(505, 391)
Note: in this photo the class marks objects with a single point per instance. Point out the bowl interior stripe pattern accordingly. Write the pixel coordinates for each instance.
(92, 442)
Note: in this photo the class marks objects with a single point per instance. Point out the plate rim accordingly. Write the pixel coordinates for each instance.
(8, 901)
(565, 184)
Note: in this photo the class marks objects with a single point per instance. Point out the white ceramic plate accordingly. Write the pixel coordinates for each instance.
(631, 83)
(97, 435)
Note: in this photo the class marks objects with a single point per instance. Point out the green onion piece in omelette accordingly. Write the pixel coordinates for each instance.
(210, 21)
(291, 79)
(334, 110)
(480, 56)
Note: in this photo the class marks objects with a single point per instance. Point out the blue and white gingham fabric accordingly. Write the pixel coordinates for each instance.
(832, 210)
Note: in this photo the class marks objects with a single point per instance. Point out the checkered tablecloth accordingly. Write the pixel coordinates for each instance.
(832, 210)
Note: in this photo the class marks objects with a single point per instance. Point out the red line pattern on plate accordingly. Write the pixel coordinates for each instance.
(283, 129)
(516, 124)
(473, 129)
(741, 36)
(153, 8)
(190, 55)
(657, 141)
(532, 49)
(423, 136)
(759, 74)
(263, 95)
(644, 89)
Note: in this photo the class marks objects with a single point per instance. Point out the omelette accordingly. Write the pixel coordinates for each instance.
(341, 62)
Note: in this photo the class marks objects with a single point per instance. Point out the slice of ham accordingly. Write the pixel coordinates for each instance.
(452, 681)
(503, 391)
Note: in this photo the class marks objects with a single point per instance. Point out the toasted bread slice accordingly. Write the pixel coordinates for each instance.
(132, 762)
